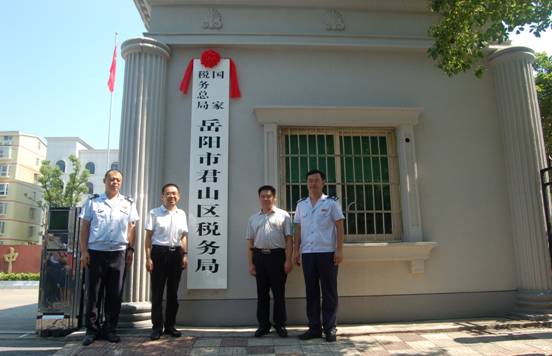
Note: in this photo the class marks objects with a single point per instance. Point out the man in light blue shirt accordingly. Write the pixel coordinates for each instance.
(319, 235)
(107, 236)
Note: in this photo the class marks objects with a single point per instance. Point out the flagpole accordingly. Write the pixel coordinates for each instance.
(109, 122)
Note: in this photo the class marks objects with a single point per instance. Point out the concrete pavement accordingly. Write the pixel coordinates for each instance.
(18, 308)
(493, 336)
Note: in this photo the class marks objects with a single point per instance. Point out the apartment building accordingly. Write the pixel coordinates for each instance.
(95, 160)
(20, 215)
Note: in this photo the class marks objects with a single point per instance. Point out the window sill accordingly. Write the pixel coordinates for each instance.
(416, 253)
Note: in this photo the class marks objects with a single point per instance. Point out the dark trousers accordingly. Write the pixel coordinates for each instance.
(167, 269)
(106, 268)
(270, 276)
(320, 273)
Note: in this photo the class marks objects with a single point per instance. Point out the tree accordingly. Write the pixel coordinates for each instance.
(543, 81)
(467, 27)
(55, 193)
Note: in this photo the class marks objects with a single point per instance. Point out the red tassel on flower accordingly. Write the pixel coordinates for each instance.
(234, 86)
(185, 83)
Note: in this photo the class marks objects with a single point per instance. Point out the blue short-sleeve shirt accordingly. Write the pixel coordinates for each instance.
(109, 221)
(318, 231)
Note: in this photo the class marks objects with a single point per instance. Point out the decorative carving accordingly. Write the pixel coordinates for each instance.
(10, 258)
(334, 21)
(213, 21)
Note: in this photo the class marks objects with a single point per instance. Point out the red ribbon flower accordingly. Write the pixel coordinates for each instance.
(210, 58)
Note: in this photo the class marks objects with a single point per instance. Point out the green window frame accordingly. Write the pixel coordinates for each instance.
(361, 170)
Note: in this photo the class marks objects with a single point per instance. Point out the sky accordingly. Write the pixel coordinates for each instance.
(55, 64)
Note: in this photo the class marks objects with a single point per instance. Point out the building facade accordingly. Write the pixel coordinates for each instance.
(94, 160)
(20, 214)
(438, 177)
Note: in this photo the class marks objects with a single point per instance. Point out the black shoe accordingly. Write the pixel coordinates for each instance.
(172, 332)
(310, 334)
(263, 330)
(155, 334)
(281, 331)
(88, 339)
(112, 337)
(331, 335)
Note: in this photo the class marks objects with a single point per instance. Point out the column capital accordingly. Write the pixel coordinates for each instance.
(145, 45)
(510, 54)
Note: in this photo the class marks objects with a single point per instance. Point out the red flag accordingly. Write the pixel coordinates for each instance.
(112, 71)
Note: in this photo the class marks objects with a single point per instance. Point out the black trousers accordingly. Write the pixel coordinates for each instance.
(320, 273)
(167, 269)
(270, 276)
(106, 268)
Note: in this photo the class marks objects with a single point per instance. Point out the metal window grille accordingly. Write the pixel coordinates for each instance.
(361, 170)
(4, 170)
(2, 227)
(3, 208)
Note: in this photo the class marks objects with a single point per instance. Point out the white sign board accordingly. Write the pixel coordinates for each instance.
(208, 209)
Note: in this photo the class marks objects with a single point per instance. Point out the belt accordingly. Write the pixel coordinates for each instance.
(166, 248)
(268, 251)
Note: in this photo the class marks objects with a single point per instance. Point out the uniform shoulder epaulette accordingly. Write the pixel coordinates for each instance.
(129, 199)
(94, 196)
(333, 197)
(300, 200)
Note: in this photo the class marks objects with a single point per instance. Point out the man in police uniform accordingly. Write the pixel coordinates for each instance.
(107, 236)
(166, 257)
(319, 235)
(269, 255)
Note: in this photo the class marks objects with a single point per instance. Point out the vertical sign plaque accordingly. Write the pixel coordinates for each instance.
(208, 201)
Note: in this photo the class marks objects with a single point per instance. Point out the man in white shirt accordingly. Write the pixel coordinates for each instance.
(166, 257)
(269, 255)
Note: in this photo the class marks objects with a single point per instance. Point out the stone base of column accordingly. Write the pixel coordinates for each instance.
(534, 304)
(135, 315)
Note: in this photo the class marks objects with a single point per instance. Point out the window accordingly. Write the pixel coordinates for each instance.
(7, 140)
(115, 165)
(4, 170)
(5, 152)
(91, 167)
(61, 165)
(361, 170)
(2, 227)
(31, 231)
(3, 189)
(35, 178)
(90, 187)
(32, 213)
(3, 208)
(37, 162)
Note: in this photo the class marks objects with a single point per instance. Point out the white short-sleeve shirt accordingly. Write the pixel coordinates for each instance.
(269, 230)
(167, 226)
(318, 231)
(109, 221)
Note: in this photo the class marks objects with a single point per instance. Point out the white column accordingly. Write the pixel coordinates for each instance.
(141, 143)
(524, 157)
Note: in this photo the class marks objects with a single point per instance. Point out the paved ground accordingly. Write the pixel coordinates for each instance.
(502, 336)
(17, 324)
(519, 341)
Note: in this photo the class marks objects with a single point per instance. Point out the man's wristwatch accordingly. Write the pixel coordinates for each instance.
(130, 248)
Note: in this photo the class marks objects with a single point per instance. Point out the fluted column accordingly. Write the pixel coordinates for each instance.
(524, 155)
(141, 147)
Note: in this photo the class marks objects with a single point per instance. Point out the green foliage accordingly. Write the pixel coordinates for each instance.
(55, 194)
(76, 185)
(543, 81)
(19, 276)
(466, 27)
